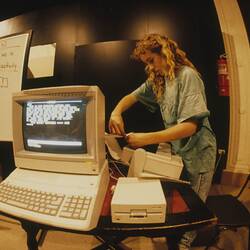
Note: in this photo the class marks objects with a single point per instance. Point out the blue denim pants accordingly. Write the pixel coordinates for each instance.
(201, 185)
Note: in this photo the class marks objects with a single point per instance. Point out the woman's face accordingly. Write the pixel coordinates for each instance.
(154, 59)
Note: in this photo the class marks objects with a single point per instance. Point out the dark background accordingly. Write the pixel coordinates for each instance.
(95, 38)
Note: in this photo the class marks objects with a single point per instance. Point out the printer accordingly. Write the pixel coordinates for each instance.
(139, 201)
(144, 164)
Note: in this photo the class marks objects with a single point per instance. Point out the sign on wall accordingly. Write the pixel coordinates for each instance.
(13, 61)
(41, 61)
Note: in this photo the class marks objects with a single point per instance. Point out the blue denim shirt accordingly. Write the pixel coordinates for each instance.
(184, 98)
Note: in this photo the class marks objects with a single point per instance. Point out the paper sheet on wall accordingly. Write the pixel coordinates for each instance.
(12, 55)
(41, 61)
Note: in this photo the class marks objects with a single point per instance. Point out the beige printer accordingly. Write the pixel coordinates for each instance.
(144, 164)
(138, 201)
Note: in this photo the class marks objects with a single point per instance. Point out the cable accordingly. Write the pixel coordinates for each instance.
(120, 162)
(113, 177)
(117, 168)
(111, 174)
(113, 162)
(217, 164)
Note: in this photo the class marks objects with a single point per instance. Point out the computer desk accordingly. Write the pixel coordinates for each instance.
(185, 212)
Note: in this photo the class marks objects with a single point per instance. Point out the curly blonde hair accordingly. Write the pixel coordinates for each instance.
(175, 59)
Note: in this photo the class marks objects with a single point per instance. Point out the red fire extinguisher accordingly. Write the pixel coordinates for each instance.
(223, 78)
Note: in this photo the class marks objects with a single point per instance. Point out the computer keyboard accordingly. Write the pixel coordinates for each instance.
(54, 204)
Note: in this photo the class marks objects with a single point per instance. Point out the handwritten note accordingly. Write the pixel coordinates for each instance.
(12, 55)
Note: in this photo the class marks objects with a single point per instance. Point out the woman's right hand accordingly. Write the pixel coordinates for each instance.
(116, 125)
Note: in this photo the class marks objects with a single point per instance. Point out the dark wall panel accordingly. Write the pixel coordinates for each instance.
(108, 65)
(245, 11)
(111, 20)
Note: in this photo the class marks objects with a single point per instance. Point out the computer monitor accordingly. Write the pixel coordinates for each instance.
(59, 129)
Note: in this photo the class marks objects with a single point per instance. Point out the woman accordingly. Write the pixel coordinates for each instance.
(175, 86)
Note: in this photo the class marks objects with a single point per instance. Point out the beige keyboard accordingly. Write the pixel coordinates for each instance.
(72, 207)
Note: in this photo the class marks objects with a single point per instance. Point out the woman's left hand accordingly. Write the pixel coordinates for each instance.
(137, 140)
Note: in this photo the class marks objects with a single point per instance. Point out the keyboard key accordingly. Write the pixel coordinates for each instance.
(65, 214)
(83, 214)
(16, 203)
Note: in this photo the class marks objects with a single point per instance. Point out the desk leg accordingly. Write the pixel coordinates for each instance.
(109, 242)
(31, 230)
(248, 237)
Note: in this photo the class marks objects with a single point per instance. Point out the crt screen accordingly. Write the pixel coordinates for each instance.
(55, 126)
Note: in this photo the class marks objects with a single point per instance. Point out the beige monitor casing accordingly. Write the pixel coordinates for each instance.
(89, 163)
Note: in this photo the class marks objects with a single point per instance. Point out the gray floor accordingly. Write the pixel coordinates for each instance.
(12, 236)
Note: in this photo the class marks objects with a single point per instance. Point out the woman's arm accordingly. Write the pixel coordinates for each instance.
(116, 125)
(179, 131)
(125, 103)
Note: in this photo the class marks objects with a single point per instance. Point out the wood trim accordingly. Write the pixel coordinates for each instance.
(237, 50)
